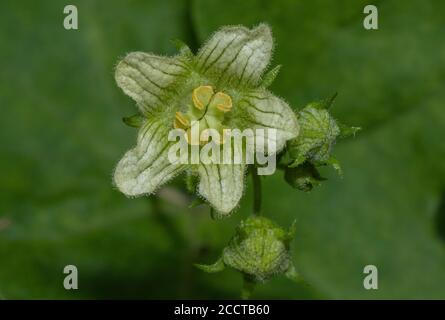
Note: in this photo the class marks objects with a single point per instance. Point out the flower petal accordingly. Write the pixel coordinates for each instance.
(237, 54)
(222, 185)
(149, 79)
(146, 167)
(266, 111)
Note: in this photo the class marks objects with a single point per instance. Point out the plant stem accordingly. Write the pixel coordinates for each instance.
(248, 286)
(256, 192)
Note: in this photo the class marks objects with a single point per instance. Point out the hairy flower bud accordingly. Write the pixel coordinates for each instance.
(319, 132)
(259, 249)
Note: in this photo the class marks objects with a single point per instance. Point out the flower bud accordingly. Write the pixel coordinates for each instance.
(319, 132)
(259, 249)
(304, 177)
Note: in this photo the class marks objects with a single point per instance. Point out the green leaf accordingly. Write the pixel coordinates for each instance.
(218, 266)
(135, 121)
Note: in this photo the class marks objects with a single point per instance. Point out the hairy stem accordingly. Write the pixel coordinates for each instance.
(248, 286)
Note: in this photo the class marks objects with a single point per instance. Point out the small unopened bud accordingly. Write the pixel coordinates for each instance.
(259, 249)
(319, 132)
(304, 177)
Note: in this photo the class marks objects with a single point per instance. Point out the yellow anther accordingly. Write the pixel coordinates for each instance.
(201, 96)
(209, 116)
(222, 101)
(181, 121)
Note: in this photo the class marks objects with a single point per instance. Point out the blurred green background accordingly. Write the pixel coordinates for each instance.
(61, 135)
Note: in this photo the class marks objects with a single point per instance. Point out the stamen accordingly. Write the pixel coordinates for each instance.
(201, 96)
(205, 100)
(181, 121)
(222, 101)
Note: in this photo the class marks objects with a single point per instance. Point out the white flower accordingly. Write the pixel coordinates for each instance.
(220, 87)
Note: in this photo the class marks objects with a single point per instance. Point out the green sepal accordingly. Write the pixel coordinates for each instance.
(196, 202)
(292, 230)
(347, 131)
(293, 275)
(296, 162)
(270, 76)
(134, 121)
(336, 165)
(183, 48)
(323, 104)
(218, 266)
(303, 177)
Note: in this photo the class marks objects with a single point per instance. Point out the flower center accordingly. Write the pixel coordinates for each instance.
(206, 112)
